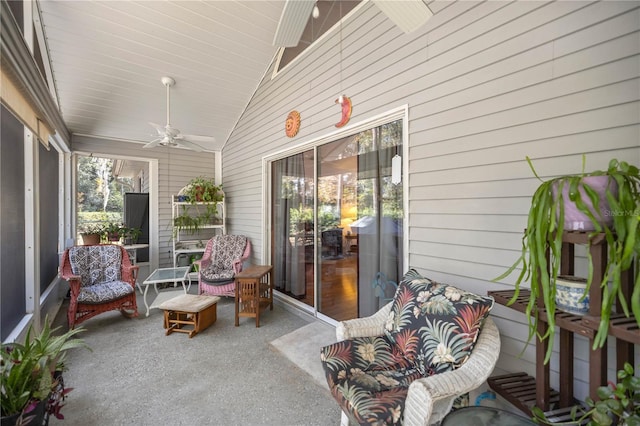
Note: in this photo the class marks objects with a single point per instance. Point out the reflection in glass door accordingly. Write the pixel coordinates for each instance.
(354, 237)
(360, 216)
(292, 224)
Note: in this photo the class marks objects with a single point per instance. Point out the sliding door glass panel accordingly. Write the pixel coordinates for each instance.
(293, 226)
(379, 225)
(359, 221)
(337, 208)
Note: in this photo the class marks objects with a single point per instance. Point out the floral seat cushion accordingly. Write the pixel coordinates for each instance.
(369, 378)
(104, 292)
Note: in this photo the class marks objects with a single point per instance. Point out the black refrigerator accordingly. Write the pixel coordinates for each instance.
(136, 215)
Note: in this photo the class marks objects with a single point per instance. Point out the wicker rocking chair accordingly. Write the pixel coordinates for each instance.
(222, 259)
(101, 279)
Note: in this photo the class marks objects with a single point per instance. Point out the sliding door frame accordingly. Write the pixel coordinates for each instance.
(399, 113)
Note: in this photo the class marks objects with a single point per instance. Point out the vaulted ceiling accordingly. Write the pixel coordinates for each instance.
(108, 58)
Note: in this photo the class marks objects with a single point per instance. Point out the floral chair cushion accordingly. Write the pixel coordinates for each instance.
(225, 250)
(435, 325)
(104, 292)
(369, 378)
(96, 264)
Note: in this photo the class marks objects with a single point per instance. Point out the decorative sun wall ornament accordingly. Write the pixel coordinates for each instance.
(345, 102)
(292, 125)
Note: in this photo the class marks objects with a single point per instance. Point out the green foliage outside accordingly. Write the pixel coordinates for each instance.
(100, 197)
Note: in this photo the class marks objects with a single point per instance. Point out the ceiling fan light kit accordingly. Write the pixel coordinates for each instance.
(170, 136)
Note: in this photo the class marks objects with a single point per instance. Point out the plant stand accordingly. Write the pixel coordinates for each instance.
(524, 391)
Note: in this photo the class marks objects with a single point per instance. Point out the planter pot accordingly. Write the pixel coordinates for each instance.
(569, 292)
(35, 417)
(574, 219)
(90, 239)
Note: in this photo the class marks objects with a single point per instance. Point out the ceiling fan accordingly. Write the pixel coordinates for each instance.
(408, 15)
(169, 135)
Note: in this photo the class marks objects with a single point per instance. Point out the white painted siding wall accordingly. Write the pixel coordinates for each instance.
(175, 168)
(487, 83)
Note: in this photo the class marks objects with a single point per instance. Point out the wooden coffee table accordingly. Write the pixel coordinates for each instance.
(189, 309)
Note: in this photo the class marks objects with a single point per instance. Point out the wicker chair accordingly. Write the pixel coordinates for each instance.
(101, 279)
(222, 258)
(430, 398)
(405, 394)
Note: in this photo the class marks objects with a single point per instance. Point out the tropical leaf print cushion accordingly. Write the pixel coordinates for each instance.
(435, 325)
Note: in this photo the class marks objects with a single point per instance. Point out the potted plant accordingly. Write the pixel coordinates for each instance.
(91, 233)
(542, 241)
(202, 189)
(113, 231)
(617, 402)
(130, 235)
(32, 384)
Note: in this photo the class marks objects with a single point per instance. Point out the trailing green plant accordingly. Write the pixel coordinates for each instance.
(542, 244)
(202, 189)
(28, 369)
(193, 217)
(619, 403)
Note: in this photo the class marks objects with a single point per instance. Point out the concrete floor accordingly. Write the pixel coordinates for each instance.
(225, 375)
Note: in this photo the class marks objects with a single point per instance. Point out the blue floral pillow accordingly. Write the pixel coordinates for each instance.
(435, 325)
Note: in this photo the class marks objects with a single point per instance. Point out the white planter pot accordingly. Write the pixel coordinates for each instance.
(569, 292)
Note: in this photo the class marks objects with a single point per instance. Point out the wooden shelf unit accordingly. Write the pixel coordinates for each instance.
(517, 388)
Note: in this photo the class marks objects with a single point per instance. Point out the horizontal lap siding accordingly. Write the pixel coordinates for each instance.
(487, 84)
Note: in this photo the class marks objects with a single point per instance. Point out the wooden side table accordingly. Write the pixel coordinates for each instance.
(254, 292)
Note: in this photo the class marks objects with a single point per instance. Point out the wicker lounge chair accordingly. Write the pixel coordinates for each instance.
(381, 377)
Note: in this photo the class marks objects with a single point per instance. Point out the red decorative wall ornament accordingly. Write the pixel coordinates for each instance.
(345, 102)
(292, 125)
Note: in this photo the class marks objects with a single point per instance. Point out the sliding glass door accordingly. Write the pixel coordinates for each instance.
(337, 222)
(292, 224)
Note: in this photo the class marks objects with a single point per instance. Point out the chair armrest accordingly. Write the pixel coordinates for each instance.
(130, 274)
(67, 276)
(75, 281)
(237, 265)
(429, 399)
(364, 327)
(202, 264)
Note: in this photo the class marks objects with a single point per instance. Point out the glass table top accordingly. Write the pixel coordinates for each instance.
(484, 416)
(168, 274)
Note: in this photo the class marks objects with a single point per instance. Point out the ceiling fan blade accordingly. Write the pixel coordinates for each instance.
(198, 138)
(408, 15)
(153, 143)
(159, 128)
(293, 21)
(187, 144)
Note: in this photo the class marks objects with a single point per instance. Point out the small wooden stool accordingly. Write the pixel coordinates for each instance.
(189, 309)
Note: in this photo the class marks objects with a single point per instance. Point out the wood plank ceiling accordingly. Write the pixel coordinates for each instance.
(108, 58)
